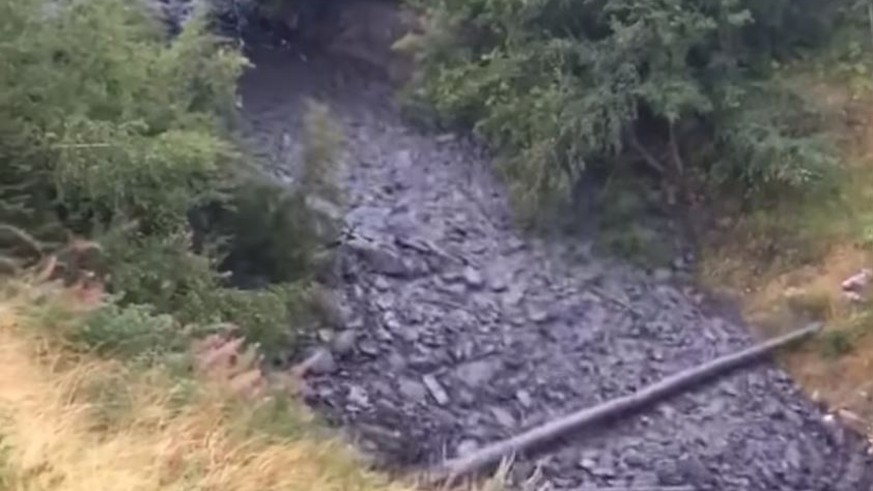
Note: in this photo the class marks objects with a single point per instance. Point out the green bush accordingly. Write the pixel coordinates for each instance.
(104, 118)
(131, 331)
(563, 86)
(112, 130)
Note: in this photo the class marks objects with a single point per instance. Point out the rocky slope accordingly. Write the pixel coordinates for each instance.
(459, 330)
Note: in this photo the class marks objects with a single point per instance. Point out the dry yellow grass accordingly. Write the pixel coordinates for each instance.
(54, 442)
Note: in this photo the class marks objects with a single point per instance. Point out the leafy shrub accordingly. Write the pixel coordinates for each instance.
(112, 130)
(104, 117)
(163, 272)
(130, 331)
(271, 317)
(274, 231)
(563, 86)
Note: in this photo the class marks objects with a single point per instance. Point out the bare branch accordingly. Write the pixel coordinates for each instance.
(621, 406)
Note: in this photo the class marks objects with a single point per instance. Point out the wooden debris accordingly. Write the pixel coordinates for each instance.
(586, 418)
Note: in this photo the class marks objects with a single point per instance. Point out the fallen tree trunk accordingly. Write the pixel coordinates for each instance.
(585, 418)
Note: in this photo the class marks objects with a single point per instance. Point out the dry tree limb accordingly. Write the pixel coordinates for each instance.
(586, 418)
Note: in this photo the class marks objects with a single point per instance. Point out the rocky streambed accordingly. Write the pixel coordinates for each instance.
(459, 330)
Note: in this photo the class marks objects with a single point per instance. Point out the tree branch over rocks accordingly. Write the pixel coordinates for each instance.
(619, 407)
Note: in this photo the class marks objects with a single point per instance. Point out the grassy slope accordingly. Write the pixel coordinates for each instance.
(785, 264)
(64, 425)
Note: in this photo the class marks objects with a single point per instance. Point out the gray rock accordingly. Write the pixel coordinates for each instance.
(537, 314)
(358, 396)
(513, 295)
(343, 344)
(588, 463)
(662, 275)
(498, 282)
(325, 335)
(436, 390)
(473, 277)
(524, 398)
(320, 362)
(792, 457)
(503, 417)
(380, 258)
(412, 390)
(369, 348)
(466, 447)
(381, 283)
(694, 470)
(645, 479)
(477, 373)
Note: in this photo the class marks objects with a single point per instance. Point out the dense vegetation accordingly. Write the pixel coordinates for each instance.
(688, 90)
(115, 160)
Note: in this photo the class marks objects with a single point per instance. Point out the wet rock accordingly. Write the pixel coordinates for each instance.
(513, 295)
(634, 458)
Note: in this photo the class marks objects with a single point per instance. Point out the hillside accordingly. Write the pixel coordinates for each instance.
(328, 245)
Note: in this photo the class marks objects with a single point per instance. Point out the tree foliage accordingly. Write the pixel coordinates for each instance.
(561, 86)
(103, 116)
(112, 130)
